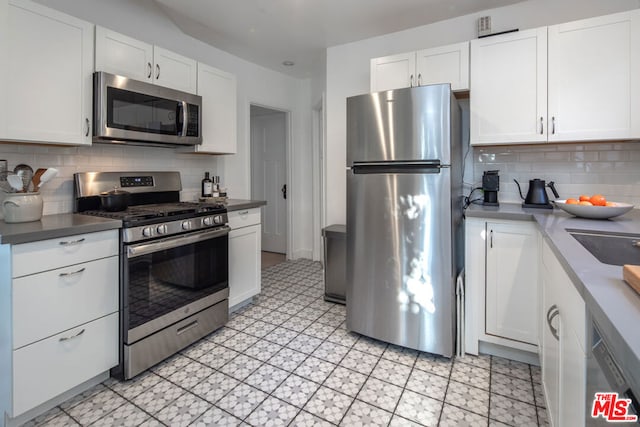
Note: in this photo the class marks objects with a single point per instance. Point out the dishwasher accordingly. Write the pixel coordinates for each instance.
(605, 374)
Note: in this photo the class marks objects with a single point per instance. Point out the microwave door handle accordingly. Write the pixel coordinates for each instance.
(185, 118)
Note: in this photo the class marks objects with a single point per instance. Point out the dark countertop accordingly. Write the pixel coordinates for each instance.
(239, 204)
(54, 226)
(614, 305)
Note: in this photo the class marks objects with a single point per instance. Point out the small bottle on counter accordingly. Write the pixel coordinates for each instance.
(216, 182)
(207, 186)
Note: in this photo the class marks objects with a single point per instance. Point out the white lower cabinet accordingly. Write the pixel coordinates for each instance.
(63, 318)
(512, 281)
(244, 255)
(47, 368)
(35, 317)
(564, 360)
(501, 293)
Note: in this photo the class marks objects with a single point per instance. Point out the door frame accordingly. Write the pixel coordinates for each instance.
(319, 178)
(288, 159)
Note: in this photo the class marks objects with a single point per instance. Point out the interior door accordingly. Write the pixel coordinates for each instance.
(269, 174)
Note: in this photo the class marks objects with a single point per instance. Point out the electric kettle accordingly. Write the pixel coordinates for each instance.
(537, 194)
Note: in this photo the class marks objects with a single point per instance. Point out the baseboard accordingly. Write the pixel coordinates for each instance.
(302, 253)
(508, 353)
(44, 407)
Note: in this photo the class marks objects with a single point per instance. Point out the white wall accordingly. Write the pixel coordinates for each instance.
(143, 20)
(348, 66)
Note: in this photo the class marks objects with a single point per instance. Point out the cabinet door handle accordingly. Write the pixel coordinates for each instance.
(551, 314)
(411, 80)
(491, 239)
(71, 242)
(71, 273)
(157, 71)
(185, 328)
(150, 69)
(541, 126)
(553, 125)
(88, 126)
(63, 339)
(419, 79)
(284, 191)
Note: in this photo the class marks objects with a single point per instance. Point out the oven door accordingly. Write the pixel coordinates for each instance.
(168, 279)
(128, 110)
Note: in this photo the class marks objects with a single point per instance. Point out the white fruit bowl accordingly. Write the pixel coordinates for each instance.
(594, 212)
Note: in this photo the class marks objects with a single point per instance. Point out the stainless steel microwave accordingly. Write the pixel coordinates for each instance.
(128, 111)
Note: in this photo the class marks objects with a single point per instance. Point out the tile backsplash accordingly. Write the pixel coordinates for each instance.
(612, 169)
(58, 193)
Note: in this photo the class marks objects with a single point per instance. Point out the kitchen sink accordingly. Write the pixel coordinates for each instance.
(610, 248)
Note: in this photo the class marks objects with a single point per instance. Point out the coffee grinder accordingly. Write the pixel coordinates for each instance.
(490, 187)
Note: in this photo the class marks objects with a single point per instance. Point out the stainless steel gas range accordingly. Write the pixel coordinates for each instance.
(173, 264)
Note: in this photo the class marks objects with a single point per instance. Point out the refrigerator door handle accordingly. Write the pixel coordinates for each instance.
(361, 169)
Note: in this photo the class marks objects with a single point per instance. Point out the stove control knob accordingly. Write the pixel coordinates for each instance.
(186, 225)
(217, 219)
(162, 229)
(147, 232)
(208, 220)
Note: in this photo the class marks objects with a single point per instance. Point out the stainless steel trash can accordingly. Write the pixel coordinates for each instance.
(335, 260)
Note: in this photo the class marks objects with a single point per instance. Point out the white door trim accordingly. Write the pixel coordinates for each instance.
(319, 148)
(288, 156)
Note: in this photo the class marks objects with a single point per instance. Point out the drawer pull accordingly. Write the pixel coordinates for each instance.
(72, 273)
(243, 213)
(185, 328)
(71, 242)
(63, 339)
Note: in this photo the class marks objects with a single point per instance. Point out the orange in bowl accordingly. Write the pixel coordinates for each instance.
(584, 198)
(571, 202)
(585, 203)
(598, 200)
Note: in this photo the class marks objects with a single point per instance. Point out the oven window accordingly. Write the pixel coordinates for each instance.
(138, 112)
(166, 280)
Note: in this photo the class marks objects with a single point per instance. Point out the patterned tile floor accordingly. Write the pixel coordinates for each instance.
(287, 359)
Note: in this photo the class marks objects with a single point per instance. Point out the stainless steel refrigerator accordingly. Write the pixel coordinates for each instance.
(404, 216)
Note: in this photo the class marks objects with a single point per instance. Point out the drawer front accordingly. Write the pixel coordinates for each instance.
(244, 218)
(43, 370)
(46, 303)
(30, 258)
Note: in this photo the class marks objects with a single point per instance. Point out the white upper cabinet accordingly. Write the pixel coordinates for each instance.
(175, 71)
(508, 96)
(584, 84)
(125, 56)
(4, 8)
(219, 116)
(48, 82)
(594, 78)
(393, 72)
(445, 64)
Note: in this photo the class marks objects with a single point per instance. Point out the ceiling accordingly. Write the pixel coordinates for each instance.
(269, 32)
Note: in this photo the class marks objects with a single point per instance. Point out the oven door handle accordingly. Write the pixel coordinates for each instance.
(174, 242)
